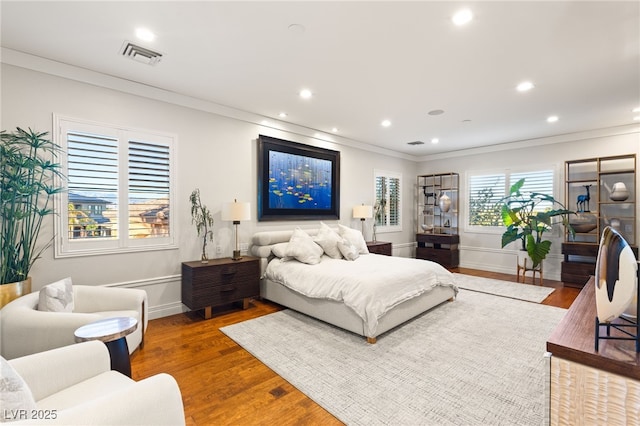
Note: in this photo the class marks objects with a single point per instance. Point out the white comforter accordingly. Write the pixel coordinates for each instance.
(371, 285)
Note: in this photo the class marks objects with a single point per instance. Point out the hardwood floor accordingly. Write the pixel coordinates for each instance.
(222, 384)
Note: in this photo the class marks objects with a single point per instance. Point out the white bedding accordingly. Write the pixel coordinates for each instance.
(371, 285)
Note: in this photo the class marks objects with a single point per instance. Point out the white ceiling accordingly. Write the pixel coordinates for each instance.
(365, 62)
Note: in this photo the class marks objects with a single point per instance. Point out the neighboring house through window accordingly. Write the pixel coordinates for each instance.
(120, 189)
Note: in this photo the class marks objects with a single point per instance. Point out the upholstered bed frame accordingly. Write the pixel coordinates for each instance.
(330, 311)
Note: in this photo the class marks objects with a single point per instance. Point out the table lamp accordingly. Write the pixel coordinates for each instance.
(236, 212)
(362, 212)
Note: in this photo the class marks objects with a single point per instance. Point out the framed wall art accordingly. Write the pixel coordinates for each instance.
(297, 181)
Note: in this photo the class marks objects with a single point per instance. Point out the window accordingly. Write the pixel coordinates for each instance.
(119, 189)
(485, 190)
(388, 201)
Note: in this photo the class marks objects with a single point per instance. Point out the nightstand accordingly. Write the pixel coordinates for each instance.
(219, 282)
(379, 247)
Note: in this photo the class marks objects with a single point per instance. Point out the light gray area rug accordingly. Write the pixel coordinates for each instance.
(475, 361)
(531, 293)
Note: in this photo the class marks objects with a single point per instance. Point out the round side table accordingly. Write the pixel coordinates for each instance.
(112, 332)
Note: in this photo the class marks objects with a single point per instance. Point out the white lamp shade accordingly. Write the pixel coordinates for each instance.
(363, 212)
(236, 211)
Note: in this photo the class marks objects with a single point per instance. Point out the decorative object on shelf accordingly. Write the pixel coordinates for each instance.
(619, 192)
(236, 212)
(29, 179)
(616, 282)
(426, 228)
(525, 223)
(202, 218)
(362, 212)
(583, 222)
(444, 202)
(583, 199)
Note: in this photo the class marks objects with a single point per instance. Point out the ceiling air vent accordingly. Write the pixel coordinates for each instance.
(415, 143)
(140, 54)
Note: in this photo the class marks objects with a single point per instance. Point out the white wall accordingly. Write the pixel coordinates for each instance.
(482, 250)
(215, 153)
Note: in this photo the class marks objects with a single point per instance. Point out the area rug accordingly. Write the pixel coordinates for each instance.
(475, 361)
(531, 293)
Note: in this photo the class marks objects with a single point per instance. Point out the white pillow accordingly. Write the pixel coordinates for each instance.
(354, 237)
(328, 240)
(303, 248)
(16, 399)
(56, 297)
(280, 250)
(348, 250)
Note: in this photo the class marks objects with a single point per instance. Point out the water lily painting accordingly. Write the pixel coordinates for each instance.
(297, 181)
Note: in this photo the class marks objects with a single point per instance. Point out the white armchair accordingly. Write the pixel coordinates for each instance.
(25, 330)
(74, 385)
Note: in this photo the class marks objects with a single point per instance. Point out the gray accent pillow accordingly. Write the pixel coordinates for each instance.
(16, 399)
(56, 297)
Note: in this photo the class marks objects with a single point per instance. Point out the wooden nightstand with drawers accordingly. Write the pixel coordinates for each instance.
(379, 247)
(220, 282)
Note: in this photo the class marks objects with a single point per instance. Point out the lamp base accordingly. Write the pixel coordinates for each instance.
(236, 255)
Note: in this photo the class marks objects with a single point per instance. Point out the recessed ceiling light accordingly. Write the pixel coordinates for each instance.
(552, 119)
(265, 123)
(296, 28)
(636, 118)
(462, 17)
(282, 115)
(305, 93)
(524, 86)
(435, 141)
(385, 123)
(145, 34)
(334, 130)
(636, 109)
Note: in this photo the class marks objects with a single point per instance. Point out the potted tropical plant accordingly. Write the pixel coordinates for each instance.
(202, 218)
(527, 223)
(27, 187)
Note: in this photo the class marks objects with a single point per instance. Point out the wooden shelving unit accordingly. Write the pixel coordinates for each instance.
(596, 189)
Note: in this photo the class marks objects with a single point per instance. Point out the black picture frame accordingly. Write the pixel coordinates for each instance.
(297, 181)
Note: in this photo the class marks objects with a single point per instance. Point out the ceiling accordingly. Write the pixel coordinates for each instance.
(365, 62)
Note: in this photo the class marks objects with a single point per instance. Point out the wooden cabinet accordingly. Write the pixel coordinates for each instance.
(437, 218)
(219, 282)
(603, 193)
(442, 249)
(379, 247)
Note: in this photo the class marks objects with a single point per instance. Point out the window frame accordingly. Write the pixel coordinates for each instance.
(508, 172)
(395, 175)
(65, 246)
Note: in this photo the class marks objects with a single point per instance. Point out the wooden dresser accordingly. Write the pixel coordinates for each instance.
(589, 387)
(219, 282)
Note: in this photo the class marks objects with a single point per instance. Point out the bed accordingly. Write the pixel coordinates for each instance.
(369, 294)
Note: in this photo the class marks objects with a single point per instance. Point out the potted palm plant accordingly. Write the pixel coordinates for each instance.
(202, 218)
(28, 173)
(527, 223)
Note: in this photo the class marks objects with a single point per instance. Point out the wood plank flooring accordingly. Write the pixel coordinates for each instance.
(222, 384)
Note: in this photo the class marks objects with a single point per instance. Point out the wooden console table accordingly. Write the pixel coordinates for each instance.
(589, 387)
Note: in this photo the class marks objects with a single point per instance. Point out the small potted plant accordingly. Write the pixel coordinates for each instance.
(27, 186)
(202, 218)
(525, 222)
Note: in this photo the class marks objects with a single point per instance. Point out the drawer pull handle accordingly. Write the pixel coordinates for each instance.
(228, 271)
(228, 288)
